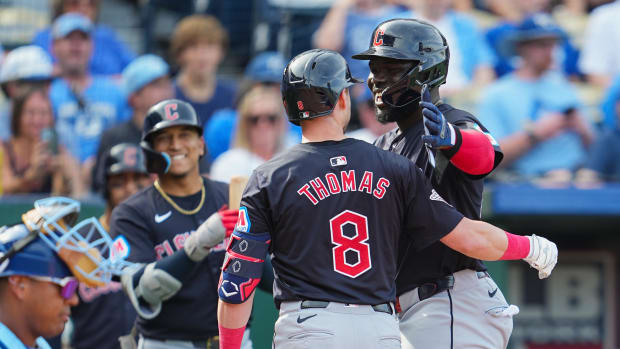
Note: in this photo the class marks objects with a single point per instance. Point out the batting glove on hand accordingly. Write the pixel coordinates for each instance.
(438, 132)
(210, 233)
(543, 255)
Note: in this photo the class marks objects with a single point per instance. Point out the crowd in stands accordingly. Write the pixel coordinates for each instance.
(542, 75)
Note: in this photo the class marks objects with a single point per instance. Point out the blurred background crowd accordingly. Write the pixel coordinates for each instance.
(78, 77)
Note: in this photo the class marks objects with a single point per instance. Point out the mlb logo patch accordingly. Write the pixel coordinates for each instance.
(120, 248)
(243, 222)
(338, 161)
(305, 115)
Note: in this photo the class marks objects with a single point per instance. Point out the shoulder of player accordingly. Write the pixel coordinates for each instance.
(386, 138)
(139, 202)
(216, 186)
(458, 117)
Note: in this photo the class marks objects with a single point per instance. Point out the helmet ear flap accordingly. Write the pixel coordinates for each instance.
(156, 162)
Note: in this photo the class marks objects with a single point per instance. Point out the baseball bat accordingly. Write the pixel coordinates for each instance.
(235, 191)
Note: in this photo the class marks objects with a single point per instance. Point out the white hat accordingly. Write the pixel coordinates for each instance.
(26, 63)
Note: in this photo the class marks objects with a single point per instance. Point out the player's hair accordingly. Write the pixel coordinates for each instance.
(18, 108)
(247, 104)
(195, 29)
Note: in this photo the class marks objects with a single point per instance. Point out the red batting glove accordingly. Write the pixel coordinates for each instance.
(229, 219)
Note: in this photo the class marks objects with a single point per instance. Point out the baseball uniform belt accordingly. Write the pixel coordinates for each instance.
(382, 308)
(430, 289)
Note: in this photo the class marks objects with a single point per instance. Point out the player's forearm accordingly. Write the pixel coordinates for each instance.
(477, 239)
(234, 315)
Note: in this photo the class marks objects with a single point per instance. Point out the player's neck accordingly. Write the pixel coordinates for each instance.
(321, 129)
(17, 324)
(181, 185)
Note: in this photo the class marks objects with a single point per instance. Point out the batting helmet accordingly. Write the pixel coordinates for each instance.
(167, 113)
(410, 40)
(121, 158)
(312, 83)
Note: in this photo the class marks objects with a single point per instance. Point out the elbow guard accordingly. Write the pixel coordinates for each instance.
(242, 269)
(473, 152)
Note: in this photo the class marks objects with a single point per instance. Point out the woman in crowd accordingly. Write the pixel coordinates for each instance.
(33, 161)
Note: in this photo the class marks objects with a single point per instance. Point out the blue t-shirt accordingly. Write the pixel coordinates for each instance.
(223, 97)
(8, 340)
(604, 156)
(608, 105)
(510, 103)
(110, 55)
(357, 32)
(81, 121)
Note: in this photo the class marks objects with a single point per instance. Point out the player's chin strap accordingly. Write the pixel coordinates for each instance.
(243, 266)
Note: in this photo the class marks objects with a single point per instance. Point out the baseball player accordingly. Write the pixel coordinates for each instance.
(104, 313)
(170, 227)
(453, 294)
(41, 262)
(330, 211)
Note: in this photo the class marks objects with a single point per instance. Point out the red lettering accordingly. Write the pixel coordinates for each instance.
(366, 183)
(168, 248)
(319, 187)
(382, 186)
(379, 37)
(332, 183)
(178, 241)
(304, 191)
(159, 251)
(348, 180)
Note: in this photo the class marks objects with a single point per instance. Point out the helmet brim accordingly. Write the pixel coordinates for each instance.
(383, 52)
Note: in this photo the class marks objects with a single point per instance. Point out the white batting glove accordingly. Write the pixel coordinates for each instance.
(543, 255)
(210, 233)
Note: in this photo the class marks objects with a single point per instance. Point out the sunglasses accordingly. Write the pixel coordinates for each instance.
(271, 118)
(68, 285)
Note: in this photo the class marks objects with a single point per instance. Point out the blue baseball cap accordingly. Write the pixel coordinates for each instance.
(266, 67)
(70, 22)
(142, 71)
(535, 27)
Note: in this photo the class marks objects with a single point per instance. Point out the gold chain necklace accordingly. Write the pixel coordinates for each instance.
(177, 207)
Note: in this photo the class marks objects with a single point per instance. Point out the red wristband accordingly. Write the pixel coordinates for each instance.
(476, 155)
(231, 338)
(518, 247)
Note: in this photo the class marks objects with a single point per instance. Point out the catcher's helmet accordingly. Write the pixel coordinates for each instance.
(312, 83)
(167, 113)
(410, 40)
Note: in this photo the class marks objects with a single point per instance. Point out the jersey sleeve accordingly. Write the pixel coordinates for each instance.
(128, 222)
(255, 218)
(428, 217)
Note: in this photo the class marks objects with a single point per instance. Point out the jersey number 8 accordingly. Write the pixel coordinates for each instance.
(356, 244)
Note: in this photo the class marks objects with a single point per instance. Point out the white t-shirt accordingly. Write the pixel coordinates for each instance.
(234, 162)
(600, 54)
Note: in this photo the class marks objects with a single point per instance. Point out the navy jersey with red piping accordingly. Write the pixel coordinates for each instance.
(153, 230)
(335, 211)
(460, 189)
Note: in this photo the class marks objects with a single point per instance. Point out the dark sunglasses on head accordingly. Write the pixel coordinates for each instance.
(254, 119)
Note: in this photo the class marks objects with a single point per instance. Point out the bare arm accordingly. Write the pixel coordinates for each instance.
(330, 34)
(477, 239)
(234, 315)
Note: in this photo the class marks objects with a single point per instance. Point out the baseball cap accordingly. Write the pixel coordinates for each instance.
(26, 63)
(142, 71)
(535, 27)
(70, 22)
(266, 67)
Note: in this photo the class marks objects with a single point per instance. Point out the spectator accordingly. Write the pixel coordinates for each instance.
(146, 82)
(23, 68)
(346, 26)
(260, 134)
(566, 54)
(104, 313)
(85, 105)
(266, 70)
(471, 60)
(110, 56)
(371, 127)
(534, 111)
(34, 161)
(198, 46)
(600, 59)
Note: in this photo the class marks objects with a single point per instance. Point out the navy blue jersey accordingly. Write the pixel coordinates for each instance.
(335, 211)
(154, 230)
(460, 189)
(103, 314)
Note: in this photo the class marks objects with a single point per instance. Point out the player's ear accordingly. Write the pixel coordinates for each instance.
(344, 99)
(18, 285)
(203, 147)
